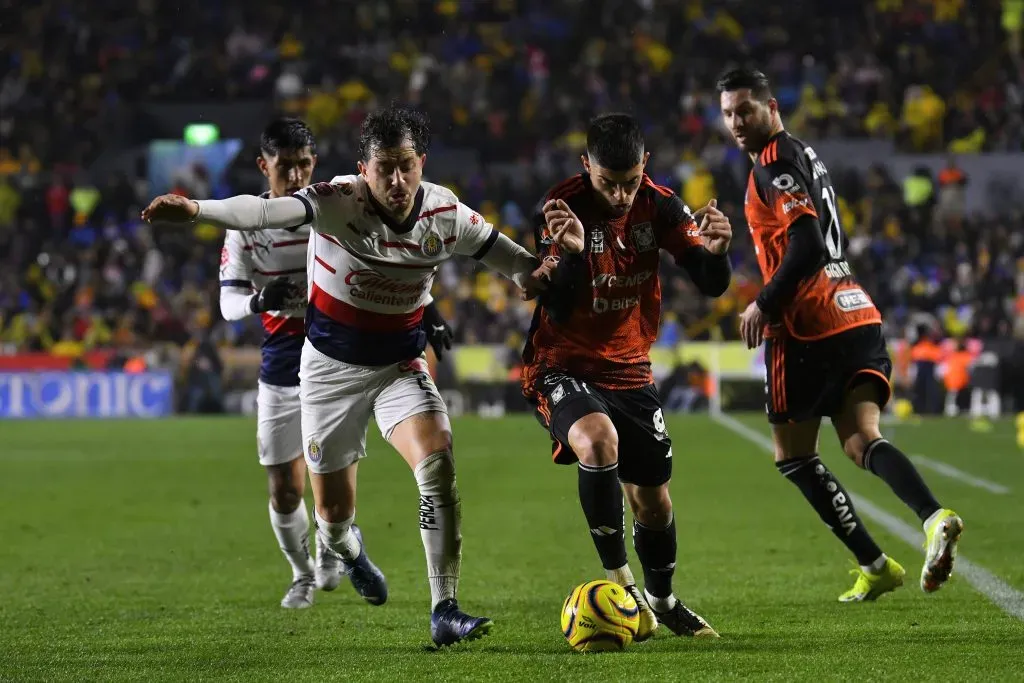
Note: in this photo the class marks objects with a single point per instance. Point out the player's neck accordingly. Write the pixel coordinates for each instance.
(777, 128)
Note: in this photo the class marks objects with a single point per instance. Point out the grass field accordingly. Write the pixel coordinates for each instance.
(142, 551)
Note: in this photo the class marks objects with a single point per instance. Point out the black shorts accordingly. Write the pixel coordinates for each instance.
(645, 450)
(809, 379)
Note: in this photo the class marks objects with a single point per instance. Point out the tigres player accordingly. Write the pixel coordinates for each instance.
(586, 364)
(824, 349)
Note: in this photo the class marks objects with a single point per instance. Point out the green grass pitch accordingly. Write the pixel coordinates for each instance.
(142, 551)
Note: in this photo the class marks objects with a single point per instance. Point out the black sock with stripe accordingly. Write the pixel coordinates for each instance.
(889, 464)
(656, 550)
(832, 503)
(601, 499)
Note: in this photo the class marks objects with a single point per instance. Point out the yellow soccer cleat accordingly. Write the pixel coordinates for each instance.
(941, 537)
(869, 587)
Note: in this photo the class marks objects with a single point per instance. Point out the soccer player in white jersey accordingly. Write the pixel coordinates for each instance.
(264, 273)
(379, 237)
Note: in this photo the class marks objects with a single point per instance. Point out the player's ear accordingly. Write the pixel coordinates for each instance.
(647, 155)
(773, 105)
(261, 163)
(423, 159)
(362, 168)
(586, 162)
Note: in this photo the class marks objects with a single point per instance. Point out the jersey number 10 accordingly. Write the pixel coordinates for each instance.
(833, 232)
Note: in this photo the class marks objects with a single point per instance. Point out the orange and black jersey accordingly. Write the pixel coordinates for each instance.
(601, 314)
(790, 207)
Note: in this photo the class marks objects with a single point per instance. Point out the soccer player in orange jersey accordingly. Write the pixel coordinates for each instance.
(824, 349)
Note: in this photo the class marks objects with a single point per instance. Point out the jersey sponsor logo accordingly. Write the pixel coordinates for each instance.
(642, 236)
(602, 305)
(597, 241)
(794, 203)
(558, 394)
(431, 245)
(848, 300)
(615, 281)
(785, 183)
(369, 285)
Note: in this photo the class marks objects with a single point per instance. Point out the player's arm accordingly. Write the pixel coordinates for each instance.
(244, 212)
(477, 238)
(236, 287)
(784, 188)
(569, 267)
(681, 236)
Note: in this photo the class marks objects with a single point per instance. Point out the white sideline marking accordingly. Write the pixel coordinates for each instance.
(959, 475)
(1000, 593)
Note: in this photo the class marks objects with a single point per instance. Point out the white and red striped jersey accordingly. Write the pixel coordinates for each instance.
(247, 262)
(369, 276)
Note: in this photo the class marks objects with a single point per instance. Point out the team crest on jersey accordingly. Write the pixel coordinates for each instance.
(431, 245)
(313, 451)
(642, 236)
(597, 241)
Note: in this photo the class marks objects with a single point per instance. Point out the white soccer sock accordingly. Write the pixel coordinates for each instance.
(660, 604)
(875, 567)
(292, 531)
(440, 518)
(337, 536)
(622, 576)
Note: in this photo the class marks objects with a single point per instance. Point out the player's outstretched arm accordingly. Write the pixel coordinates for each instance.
(244, 212)
(482, 241)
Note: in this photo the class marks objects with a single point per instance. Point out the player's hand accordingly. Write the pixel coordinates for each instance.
(538, 281)
(170, 208)
(439, 332)
(565, 228)
(275, 295)
(752, 323)
(715, 229)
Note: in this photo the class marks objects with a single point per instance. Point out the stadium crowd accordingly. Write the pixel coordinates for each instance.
(513, 82)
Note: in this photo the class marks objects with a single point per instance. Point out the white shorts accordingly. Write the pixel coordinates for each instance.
(278, 424)
(338, 399)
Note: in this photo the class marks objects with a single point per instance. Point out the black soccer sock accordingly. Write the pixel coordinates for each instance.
(656, 549)
(832, 503)
(890, 465)
(601, 498)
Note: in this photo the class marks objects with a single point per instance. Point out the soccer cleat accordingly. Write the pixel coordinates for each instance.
(869, 587)
(648, 621)
(683, 621)
(366, 578)
(450, 625)
(300, 593)
(329, 568)
(941, 538)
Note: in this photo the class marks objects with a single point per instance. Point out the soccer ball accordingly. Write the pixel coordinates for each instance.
(599, 616)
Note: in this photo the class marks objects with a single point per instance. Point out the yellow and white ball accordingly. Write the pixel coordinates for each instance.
(599, 616)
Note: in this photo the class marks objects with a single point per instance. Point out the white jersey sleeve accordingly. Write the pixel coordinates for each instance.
(249, 213)
(477, 238)
(236, 283)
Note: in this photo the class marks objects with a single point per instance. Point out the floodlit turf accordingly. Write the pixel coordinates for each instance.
(142, 551)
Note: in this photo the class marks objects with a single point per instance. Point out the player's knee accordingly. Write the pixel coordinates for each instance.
(285, 490)
(596, 444)
(435, 477)
(651, 505)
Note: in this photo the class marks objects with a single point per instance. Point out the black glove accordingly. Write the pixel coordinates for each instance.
(439, 332)
(274, 296)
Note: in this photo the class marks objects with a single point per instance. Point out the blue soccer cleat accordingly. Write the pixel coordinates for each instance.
(450, 625)
(366, 578)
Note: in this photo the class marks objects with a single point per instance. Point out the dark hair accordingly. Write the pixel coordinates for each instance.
(389, 127)
(286, 133)
(752, 79)
(615, 141)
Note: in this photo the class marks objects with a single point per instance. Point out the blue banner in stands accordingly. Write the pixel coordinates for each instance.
(85, 395)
